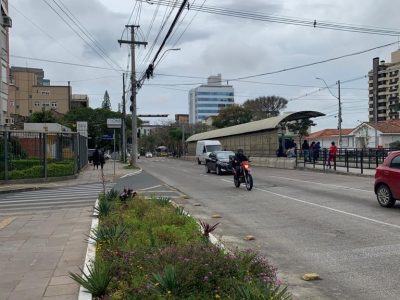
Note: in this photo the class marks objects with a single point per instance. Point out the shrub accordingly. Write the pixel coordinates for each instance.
(103, 208)
(108, 235)
(33, 172)
(23, 164)
(60, 169)
(98, 279)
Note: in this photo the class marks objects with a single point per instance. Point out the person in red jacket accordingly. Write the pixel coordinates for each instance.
(332, 154)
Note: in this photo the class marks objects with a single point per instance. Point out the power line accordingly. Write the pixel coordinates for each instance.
(288, 20)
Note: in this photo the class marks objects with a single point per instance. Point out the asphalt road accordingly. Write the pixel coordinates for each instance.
(303, 222)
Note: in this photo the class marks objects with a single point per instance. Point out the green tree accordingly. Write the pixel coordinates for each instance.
(106, 104)
(395, 145)
(232, 115)
(44, 116)
(265, 106)
(300, 128)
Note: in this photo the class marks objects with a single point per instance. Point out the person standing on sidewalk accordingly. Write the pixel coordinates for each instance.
(306, 150)
(102, 160)
(96, 158)
(332, 154)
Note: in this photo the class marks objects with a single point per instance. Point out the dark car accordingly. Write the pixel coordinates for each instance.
(218, 161)
(90, 155)
(387, 180)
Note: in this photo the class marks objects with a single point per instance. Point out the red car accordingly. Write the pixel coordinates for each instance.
(387, 180)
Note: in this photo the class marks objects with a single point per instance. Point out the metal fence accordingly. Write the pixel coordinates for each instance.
(25, 155)
(358, 158)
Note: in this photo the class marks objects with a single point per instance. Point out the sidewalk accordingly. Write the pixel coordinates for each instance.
(87, 175)
(37, 250)
(339, 170)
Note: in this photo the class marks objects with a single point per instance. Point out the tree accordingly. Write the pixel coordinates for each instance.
(44, 116)
(395, 145)
(300, 128)
(106, 104)
(265, 106)
(232, 115)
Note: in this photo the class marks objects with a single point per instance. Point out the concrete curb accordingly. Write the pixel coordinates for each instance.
(333, 172)
(84, 294)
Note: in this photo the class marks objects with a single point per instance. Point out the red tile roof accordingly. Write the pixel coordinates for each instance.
(388, 126)
(326, 133)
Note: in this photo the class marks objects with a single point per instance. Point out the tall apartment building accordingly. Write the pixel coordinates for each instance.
(208, 99)
(386, 89)
(30, 92)
(5, 24)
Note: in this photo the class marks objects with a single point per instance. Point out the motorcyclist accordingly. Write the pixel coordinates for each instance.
(237, 160)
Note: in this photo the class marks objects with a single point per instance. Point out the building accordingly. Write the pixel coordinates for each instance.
(29, 92)
(258, 139)
(182, 119)
(327, 136)
(4, 70)
(208, 99)
(79, 101)
(386, 89)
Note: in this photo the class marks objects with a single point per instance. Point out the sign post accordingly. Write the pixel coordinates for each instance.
(114, 124)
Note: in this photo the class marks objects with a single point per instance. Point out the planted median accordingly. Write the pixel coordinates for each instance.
(150, 249)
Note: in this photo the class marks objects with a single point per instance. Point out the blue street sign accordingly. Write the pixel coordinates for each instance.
(108, 137)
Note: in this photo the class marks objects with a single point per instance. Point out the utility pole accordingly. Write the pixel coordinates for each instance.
(133, 43)
(340, 116)
(123, 119)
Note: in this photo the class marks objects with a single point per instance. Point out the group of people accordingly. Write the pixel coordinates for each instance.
(98, 159)
(311, 152)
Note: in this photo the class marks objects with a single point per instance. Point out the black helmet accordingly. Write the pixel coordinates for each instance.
(240, 151)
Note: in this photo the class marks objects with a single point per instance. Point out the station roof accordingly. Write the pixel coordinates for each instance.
(260, 125)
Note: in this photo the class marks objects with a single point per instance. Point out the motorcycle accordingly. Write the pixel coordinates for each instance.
(244, 175)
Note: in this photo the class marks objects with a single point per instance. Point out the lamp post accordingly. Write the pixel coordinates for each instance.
(340, 108)
(165, 52)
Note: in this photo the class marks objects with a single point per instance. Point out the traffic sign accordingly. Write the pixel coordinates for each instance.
(108, 137)
(114, 123)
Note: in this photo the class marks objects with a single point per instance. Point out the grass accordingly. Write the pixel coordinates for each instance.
(129, 167)
(155, 251)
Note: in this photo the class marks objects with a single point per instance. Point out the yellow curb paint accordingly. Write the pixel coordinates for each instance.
(216, 216)
(6, 222)
(249, 238)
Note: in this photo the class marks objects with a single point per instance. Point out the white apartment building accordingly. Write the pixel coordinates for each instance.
(208, 99)
(387, 91)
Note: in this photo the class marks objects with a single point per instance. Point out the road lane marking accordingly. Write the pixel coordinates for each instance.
(320, 183)
(149, 188)
(325, 207)
(6, 222)
(132, 174)
(330, 208)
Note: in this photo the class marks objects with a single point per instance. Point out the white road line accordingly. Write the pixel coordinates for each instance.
(132, 174)
(149, 188)
(325, 207)
(319, 183)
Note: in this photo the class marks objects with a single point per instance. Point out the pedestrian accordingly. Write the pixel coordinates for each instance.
(332, 154)
(96, 158)
(306, 150)
(102, 160)
(311, 154)
(291, 152)
(316, 150)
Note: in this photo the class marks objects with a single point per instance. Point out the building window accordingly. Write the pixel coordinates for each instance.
(4, 73)
(37, 103)
(45, 92)
(53, 104)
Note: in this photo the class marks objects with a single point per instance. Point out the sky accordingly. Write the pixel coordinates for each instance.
(209, 44)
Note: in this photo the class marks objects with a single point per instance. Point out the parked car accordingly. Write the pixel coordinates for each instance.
(387, 180)
(149, 155)
(218, 161)
(90, 155)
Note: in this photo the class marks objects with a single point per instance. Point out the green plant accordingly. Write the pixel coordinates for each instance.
(167, 283)
(162, 201)
(108, 235)
(180, 211)
(111, 195)
(98, 279)
(260, 291)
(103, 208)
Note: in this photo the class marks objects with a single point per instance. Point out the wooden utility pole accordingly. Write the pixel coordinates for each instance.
(123, 120)
(133, 43)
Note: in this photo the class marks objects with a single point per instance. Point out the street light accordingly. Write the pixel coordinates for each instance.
(165, 52)
(340, 108)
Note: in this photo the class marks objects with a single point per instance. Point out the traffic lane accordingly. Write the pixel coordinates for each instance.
(299, 238)
(136, 182)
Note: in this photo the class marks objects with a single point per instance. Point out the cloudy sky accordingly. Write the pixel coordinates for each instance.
(211, 44)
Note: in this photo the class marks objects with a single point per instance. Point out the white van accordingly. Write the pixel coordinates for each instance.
(204, 148)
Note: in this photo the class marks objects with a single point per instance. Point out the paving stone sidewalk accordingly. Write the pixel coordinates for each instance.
(37, 250)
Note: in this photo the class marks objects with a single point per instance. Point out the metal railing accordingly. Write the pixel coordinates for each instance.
(26, 155)
(348, 158)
